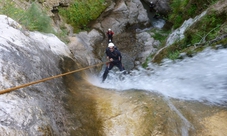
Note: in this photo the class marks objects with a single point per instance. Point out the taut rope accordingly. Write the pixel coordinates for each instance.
(49, 78)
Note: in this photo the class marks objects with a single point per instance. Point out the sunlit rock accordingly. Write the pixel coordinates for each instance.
(26, 57)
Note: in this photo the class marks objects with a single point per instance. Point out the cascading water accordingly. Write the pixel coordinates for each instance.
(155, 22)
(183, 94)
(96, 111)
(188, 92)
(201, 78)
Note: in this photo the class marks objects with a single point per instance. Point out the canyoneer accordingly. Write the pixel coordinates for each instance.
(114, 57)
(110, 34)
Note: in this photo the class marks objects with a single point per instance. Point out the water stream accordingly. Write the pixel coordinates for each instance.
(144, 102)
(198, 84)
(201, 78)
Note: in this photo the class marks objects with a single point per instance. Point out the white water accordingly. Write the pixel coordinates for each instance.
(202, 78)
(159, 23)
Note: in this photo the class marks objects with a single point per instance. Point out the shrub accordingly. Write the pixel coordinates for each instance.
(206, 29)
(9, 8)
(185, 9)
(36, 19)
(81, 13)
(173, 55)
(33, 19)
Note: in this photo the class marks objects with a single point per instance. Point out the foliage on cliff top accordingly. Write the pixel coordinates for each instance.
(34, 18)
(210, 29)
(185, 9)
(81, 13)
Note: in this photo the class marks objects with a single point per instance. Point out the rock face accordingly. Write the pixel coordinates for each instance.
(39, 109)
(121, 14)
(149, 43)
(27, 57)
(124, 18)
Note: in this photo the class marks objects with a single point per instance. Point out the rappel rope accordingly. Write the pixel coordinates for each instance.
(49, 78)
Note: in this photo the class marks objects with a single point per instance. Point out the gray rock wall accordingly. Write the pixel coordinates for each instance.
(28, 57)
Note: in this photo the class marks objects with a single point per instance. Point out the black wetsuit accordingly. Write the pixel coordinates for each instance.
(110, 35)
(116, 56)
(152, 7)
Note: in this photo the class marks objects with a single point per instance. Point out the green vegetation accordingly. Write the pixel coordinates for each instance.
(160, 35)
(81, 13)
(145, 64)
(206, 29)
(173, 55)
(37, 20)
(185, 9)
(197, 37)
(33, 19)
(9, 8)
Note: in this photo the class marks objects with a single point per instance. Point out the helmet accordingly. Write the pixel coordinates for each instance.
(110, 45)
(109, 29)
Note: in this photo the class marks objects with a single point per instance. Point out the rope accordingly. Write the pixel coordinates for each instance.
(45, 79)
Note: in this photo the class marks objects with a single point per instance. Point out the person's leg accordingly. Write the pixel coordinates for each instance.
(120, 67)
(111, 38)
(105, 74)
(108, 67)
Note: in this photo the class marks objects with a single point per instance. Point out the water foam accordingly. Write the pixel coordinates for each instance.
(202, 78)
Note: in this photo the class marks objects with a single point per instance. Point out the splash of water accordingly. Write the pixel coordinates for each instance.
(159, 23)
(201, 78)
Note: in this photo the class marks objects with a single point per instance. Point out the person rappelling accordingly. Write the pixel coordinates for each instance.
(153, 9)
(114, 57)
(152, 6)
(110, 34)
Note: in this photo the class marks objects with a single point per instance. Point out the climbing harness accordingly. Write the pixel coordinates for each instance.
(49, 78)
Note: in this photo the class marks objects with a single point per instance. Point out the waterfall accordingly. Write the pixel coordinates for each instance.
(201, 78)
(29, 56)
